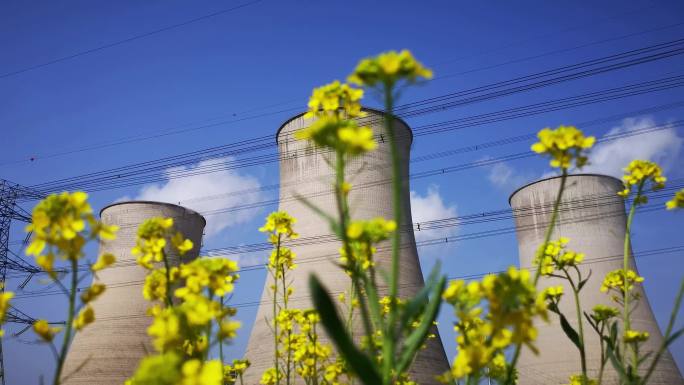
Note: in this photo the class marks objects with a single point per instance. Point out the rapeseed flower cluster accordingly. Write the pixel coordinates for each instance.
(184, 309)
(5, 298)
(565, 145)
(362, 237)
(616, 279)
(513, 304)
(389, 68)
(335, 107)
(677, 202)
(635, 336)
(602, 313)
(639, 173)
(234, 372)
(554, 257)
(63, 223)
(581, 379)
(58, 222)
(46, 332)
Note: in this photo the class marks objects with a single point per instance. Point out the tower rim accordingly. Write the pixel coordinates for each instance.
(154, 203)
(510, 197)
(402, 121)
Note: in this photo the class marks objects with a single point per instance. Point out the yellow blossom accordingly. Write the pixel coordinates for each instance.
(602, 313)
(639, 173)
(615, 280)
(84, 318)
(635, 336)
(563, 145)
(280, 222)
(156, 284)
(389, 68)
(105, 260)
(5, 298)
(158, 369)
(580, 379)
(270, 377)
(151, 240)
(44, 330)
(677, 202)
(228, 329)
(91, 293)
(196, 372)
(343, 135)
(327, 100)
(217, 274)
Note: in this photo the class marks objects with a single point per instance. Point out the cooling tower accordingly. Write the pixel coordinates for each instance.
(306, 171)
(593, 217)
(110, 349)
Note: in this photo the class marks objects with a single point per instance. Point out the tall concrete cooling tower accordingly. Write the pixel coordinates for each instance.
(111, 348)
(306, 171)
(593, 217)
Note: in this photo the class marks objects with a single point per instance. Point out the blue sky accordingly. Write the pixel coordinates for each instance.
(240, 74)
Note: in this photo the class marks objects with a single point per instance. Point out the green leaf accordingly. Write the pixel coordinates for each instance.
(674, 336)
(583, 282)
(416, 339)
(570, 331)
(418, 302)
(333, 223)
(357, 360)
(616, 363)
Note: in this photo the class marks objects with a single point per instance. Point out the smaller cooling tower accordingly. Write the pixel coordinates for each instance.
(110, 349)
(593, 217)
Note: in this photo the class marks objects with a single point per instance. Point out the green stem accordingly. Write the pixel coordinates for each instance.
(275, 312)
(668, 332)
(220, 340)
(625, 267)
(343, 214)
(603, 353)
(540, 253)
(69, 325)
(169, 298)
(580, 326)
(289, 333)
(388, 347)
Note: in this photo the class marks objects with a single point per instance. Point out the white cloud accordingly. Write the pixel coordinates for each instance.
(215, 185)
(612, 156)
(430, 207)
(506, 177)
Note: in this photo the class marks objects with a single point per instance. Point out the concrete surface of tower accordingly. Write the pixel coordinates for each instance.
(593, 217)
(306, 171)
(109, 351)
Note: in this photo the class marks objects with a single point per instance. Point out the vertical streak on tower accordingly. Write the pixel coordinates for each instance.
(306, 171)
(592, 216)
(111, 348)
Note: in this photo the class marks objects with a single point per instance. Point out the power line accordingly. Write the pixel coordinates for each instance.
(127, 40)
(633, 57)
(380, 249)
(174, 131)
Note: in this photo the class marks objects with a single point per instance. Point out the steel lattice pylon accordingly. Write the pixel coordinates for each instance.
(9, 211)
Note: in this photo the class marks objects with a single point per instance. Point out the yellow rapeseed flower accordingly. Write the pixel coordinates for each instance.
(91, 293)
(635, 336)
(580, 379)
(5, 298)
(677, 202)
(271, 377)
(564, 145)
(196, 372)
(228, 329)
(389, 68)
(157, 369)
(45, 331)
(216, 274)
(105, 260)
(615, 280)
(155, 287)
(602, 313)
(280, 222)
(327, 100)
(639, 173)
(151, 240)
(84, 318)
(339, 134)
